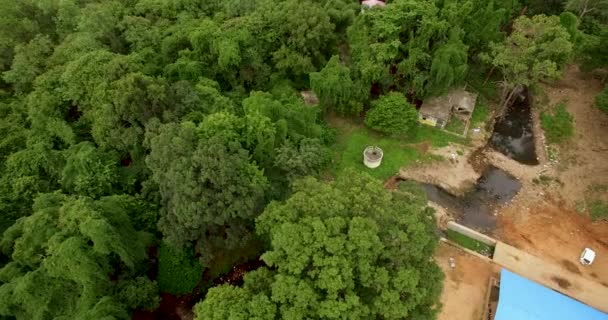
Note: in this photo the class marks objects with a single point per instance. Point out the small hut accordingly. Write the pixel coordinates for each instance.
(437, 111)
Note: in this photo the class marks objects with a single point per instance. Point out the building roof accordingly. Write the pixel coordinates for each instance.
(523, 299)
(373, 3)
(441, 107)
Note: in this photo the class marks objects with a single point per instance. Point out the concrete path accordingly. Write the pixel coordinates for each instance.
(552, 276)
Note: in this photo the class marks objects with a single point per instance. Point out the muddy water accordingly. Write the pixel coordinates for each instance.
(476, 209)
(513, 135)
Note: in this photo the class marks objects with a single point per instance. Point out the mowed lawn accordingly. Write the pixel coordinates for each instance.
(352, 138)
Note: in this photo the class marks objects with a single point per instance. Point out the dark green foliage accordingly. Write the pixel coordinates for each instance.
(301, 160)
(178, 271)
(601, 101)
(558, 125)
(139, 293)
(348, 247)
(392, 114)
(594, 50)
(206, 183)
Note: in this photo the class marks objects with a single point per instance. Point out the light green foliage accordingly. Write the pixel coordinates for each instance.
(30, 61)
(178, 271)
(558, 125)
(88, 171)
(601, 101)
(347, 247)
(206, 183)
(481, 113)
(449, 66)
(336, 89)
(470, 243)
(404, 45)
(392, 114)
(228, 302)
(537, 49)
(483, 24)
(65, 252)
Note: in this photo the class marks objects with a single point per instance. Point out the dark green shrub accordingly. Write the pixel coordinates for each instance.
(558, 126)
(392, 114)
(178, 272)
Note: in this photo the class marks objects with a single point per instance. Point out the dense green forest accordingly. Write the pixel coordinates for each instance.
(148, 146)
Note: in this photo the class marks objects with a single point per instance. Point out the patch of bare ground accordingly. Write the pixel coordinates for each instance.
(455, 174)
(465, 285)
(555, 233)
(542, 219)
(583, 161)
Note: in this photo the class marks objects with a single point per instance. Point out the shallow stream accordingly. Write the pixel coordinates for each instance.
(476, 209)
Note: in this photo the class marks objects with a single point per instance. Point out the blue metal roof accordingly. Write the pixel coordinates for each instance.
(522, 299)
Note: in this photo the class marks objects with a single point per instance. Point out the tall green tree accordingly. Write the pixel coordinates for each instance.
(392, 114)
(336, 89)
(537, 49)
(415, 46)
(343, 248)
(210, 191)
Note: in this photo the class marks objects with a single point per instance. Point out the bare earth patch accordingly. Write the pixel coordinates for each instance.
(583, 161)
(465, 286)
(557, 234)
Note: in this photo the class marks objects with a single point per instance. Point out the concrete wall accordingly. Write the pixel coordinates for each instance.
(471, 233)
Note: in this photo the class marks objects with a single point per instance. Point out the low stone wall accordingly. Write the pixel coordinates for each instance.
(471, 233)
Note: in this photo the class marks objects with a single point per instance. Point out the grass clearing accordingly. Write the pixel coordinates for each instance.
(436, 137)
(399, 151)
(558, 125)
(481, 113)
(595, 203)
(456, 125)
(469, 243)
(396, 154)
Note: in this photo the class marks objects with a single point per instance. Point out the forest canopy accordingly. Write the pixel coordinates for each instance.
(175, 130)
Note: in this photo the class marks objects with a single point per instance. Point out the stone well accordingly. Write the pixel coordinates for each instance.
(372, 157)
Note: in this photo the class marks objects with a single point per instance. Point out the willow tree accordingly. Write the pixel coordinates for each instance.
(63, 257)
(336, 88)
(348, 247)
(404, 45)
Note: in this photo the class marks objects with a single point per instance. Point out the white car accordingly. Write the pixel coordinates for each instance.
(587, 257)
